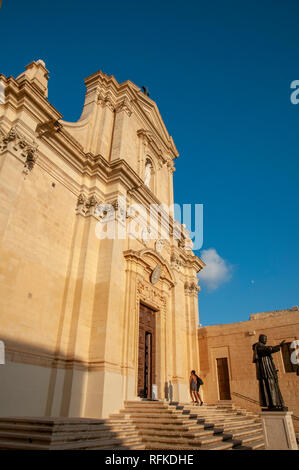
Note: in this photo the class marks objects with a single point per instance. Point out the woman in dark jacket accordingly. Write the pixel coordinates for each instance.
(194, 382)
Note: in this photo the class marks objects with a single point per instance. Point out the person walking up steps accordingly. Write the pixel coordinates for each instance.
(193, 386)
(194, 379)
(195, 383)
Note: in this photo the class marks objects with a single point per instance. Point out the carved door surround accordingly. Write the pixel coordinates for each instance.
(157, 297)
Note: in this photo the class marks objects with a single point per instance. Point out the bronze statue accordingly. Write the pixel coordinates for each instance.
(266, 374)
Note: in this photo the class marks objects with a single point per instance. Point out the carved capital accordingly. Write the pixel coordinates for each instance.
(191, 288)
(106, 100)
(121, 210)
(124, 106)
(170, 166)
(87, 205)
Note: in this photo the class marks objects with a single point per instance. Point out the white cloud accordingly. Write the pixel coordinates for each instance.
(217, 270)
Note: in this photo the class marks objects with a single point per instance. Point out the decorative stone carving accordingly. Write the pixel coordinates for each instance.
(101, 98)
(31, 157)
(87, 205)
(106, 100)
(11, 136)
(121, 210)
(149, 293)
(170, 166)
(24, 149)
(124, 106)
(191, 288)
(48, 128)
(188, 244)
(176, 262)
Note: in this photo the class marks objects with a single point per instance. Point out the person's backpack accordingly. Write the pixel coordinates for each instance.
(199, 381)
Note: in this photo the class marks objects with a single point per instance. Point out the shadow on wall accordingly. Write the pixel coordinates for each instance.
(35, 383)
(168, 391)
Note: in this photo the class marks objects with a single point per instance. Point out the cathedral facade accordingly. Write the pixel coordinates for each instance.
(97, 306)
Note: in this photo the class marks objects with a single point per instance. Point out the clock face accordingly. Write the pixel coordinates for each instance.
(156, 274)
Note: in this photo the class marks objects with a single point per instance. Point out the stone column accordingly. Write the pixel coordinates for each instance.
(278, 430)
(130, 339)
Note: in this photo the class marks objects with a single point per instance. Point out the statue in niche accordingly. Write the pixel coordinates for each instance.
(148, 171)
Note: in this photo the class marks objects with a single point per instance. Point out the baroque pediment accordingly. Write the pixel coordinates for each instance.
(151, 112)
(150, 258)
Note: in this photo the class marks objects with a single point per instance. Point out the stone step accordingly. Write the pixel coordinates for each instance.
(232, 429)
(140, 425)
(178, 440)
(187, 426)
(229, 421)
(65, 437)
(154, 414)
(169, 427)
(185, 417)
(256, 445)
(209, 416)
(205, 407)
(121, 422)
(215, 446)
(120, 447)
(243, 432)
(199, 410)
(51, 421)
(83, 444)
(170, 433)
(248, 439)
(65, 428)
(218, 446)
(149, 404)
(15, 445)
(171, 420)
(163, 411)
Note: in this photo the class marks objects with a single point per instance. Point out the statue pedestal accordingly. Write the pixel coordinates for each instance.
(278, 430)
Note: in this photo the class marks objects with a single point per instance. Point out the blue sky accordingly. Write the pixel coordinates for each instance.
(220, 73)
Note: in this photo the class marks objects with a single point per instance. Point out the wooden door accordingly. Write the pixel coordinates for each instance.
(146, 351)
(223, 379)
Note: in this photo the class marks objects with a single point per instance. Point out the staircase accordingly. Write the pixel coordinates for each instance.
(150, 425)
(179, 426)
(67, 434)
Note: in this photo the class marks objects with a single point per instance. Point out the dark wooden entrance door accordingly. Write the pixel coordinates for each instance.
(223, 379)
(146, 351)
